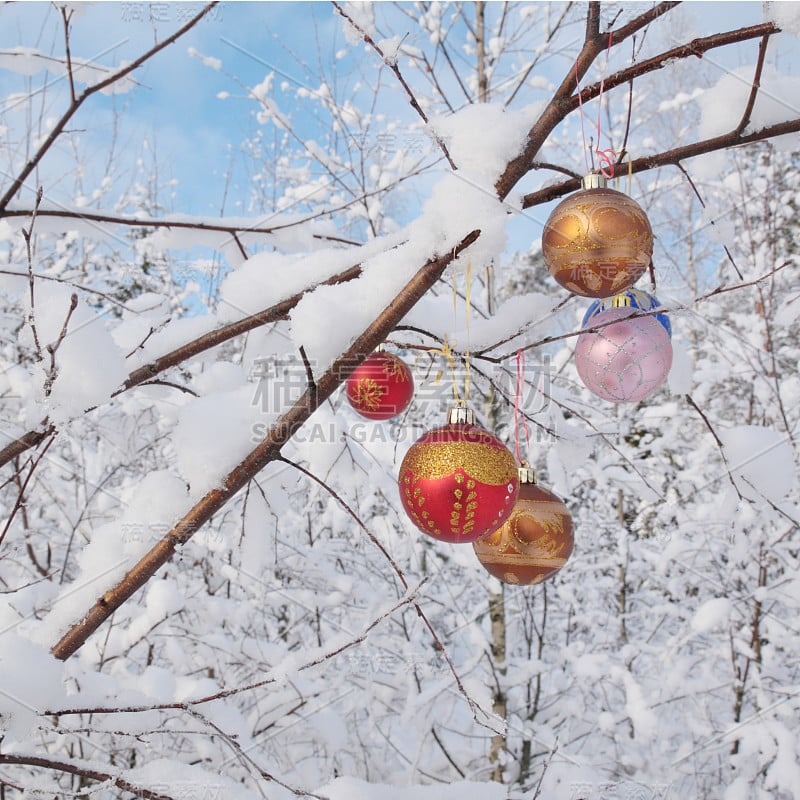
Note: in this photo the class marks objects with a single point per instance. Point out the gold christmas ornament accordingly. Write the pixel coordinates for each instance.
(534, 542)
(598, 241)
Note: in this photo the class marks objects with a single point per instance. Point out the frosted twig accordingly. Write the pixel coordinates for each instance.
(472, 704)
(243, 756)
(446, 754)
(41, 277)
(538, 789)
(28, 236)
(343, 503)
(52, 348)
(394, 68)
(482, 354)
(408, 599)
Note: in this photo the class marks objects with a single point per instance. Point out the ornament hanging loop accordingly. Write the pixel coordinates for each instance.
(461, 415)
(594, 180)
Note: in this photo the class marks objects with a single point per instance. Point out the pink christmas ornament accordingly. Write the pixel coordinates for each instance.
(626, 361)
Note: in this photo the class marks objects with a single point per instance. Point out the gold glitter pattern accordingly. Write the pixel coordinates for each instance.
(458, 482)
(488, 462)
(597, 242)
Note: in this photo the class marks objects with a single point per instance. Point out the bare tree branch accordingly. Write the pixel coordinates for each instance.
(59, 126)
(751, 100)
(266, 452)
(76, 768)
(670, 157)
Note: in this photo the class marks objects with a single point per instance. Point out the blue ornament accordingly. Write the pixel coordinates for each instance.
(639, 299)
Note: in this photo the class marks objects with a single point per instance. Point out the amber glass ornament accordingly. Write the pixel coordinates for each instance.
(381, 387)
(458, 482)
(534, 542)
(598, 241)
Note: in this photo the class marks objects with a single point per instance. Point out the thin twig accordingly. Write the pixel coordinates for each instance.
(751, 100)
(716, 439)
(52, 348)
(244, 756)
(392, 64)
(340, 500)
(171, 385)
(28, 235)
(639, 313)
(408, 599)
(21, 493)
(713, 222)
(67, 18)
(312, 384)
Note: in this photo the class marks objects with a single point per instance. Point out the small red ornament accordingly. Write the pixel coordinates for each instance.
(534, 542)
(381, 387)
(458, 482)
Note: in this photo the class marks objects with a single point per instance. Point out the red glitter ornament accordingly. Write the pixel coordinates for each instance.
(381, 387)
(535, 541)
(458, 482)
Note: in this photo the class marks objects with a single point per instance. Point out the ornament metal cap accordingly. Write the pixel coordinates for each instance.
(526, 475)
(621, 301)
(461, 415)
(594, 181)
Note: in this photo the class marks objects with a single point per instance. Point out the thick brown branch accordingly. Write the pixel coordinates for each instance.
(83, 772)
(694, 48)
(593, 21)
(267, 451)
(564, 102)
(670, 157)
